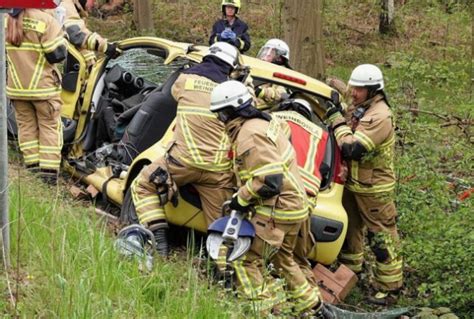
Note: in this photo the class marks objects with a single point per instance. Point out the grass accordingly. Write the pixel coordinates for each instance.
(65, 266)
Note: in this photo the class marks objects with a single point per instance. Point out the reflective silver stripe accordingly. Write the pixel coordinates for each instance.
(352, 257)
(53, 45)
(281, 214)
(152, 215)
(342, 131)
(267, 169)
(91, 41)
(394, 265)
(358, 188)
(32, 93)
(151, 200)
(365, 140)
(311, 154)
(31, 158)
(242, 276)
(189, 110)
(192, 147)
(211, 167)
(248, 185)
(26, 46)
(29, 145)
(222, 147)
(50, 148)
(389, 278)
(15, 78)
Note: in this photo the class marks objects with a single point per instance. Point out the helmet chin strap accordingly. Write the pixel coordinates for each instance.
(373, 91)
(250, 112)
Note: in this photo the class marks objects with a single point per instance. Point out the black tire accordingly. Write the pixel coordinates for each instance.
(128, 214)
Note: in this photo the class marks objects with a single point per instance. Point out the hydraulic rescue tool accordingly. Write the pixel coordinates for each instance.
(131, 242)
(234, 231)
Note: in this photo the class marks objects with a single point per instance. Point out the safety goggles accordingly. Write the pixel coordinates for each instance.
(270, 54)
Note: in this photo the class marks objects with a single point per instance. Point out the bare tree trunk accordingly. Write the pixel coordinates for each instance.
(303, 33)
(143, 15)
(387, 23)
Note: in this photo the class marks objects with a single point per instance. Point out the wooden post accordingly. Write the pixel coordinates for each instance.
(5, 224)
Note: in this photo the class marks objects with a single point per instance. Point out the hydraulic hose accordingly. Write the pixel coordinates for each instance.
(345, 314)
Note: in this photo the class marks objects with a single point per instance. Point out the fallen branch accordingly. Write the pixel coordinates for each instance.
(463, 122)
(441, 116)
(449, 120)
(345, 26)
(110, 218)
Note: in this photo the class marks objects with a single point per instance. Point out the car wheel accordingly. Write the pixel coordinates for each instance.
(128, 214)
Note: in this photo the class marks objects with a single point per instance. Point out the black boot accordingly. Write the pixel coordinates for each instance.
(33, 168)
(49, 176)
(161, 238)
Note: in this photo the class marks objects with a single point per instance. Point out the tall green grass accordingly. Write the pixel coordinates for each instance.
(68, 267)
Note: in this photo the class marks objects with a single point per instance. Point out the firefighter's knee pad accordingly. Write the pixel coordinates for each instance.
(167, 190)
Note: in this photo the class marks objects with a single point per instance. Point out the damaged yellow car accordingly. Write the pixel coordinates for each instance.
(119, 117)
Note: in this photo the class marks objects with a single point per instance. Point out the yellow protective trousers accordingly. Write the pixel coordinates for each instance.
(40, 135)
(378, 214)
(214, 189)
(304, 244)
(274, 243)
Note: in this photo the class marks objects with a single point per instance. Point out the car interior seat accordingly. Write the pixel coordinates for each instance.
(150, 122)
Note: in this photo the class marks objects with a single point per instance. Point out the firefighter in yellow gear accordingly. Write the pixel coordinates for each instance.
(79, 35)
(265, 166)
(269, 95)
(367, 144)
(309, 142)
(35, 44)
(199, 153)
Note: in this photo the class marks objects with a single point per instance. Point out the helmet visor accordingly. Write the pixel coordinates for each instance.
(271, 55)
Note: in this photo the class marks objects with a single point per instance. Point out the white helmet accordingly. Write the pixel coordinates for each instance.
(298, 105)
(276, 47)
(366, 75)
(229, 97)
(225, 52)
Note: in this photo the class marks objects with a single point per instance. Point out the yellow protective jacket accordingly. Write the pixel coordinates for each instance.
(32, 71)
(265, 164)
(200, 137)
(79, 35)
(369, 147)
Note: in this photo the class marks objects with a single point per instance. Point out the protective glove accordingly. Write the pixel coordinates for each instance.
(333, 111)
(235, 204)
(228, 35)
(112, 51)
(232, 36)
